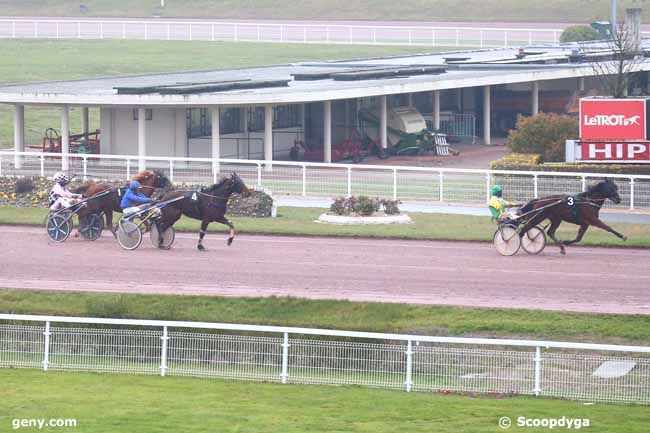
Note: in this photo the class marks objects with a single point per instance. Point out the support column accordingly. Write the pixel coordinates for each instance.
(410, 100)
(327, 131)
(535, 99)
(216, 139)
(19, 134)
(84, 120)
(581, 84)
(268, 134)
(436, 110)
(142, 138)
(383, 122)
(65, 137)
(486, 116)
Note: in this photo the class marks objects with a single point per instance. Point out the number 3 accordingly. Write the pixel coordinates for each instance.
(570, 201)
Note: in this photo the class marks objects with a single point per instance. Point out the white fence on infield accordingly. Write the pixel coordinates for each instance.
(318, 356)
(444, 185)
(420, 35)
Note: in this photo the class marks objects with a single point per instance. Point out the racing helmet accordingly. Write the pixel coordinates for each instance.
(134, 185)
(61, 178)
(497, 190)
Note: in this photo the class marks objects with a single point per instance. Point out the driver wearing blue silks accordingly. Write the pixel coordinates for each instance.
(134, 201)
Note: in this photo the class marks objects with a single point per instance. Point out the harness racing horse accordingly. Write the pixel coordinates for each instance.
(581, 209)
(151, 180)
(206, 204)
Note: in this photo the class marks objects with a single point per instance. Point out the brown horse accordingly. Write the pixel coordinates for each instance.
(580, 209)
(151, 180)
(206, 204)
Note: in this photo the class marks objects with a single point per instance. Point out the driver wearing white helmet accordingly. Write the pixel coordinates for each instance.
(60, 196)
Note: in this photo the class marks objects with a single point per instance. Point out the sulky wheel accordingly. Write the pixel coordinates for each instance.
(506, 241)
(168, 237)
(59, 226)
(92, 225)
(129, 235)
(534, 240)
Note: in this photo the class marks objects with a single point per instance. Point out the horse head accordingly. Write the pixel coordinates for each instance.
(153, 178)
(237, 185)
(606, 189)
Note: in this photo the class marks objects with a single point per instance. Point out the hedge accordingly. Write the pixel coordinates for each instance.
(532, 162)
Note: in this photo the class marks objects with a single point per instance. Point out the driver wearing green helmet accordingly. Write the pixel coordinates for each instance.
(497, 203)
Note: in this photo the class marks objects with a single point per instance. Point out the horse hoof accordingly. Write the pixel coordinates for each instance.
(624, 238)
(229, 241)
(563, 252)
(200, 247)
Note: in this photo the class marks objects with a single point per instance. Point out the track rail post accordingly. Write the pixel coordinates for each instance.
(538, 370)
(163, 352)
(409, 366)
(285, 358)
(304, 180)
(46, 346)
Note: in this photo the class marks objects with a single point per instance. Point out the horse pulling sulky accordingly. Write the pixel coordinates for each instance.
(524, 228)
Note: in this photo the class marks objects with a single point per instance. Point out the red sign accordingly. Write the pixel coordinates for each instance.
(612, 119)
(611, 151)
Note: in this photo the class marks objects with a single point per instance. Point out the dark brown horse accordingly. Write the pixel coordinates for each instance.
(580, 209)
(151, 180)
(206, 204)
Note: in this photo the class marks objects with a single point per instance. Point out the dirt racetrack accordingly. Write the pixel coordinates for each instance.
(605, 280)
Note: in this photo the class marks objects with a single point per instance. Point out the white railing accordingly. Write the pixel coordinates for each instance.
(445, 185)
(275, 32)
(602, 372)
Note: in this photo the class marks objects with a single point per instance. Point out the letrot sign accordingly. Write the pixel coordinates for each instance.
(611, 130)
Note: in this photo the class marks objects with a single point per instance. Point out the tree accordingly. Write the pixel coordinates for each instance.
(617, 59)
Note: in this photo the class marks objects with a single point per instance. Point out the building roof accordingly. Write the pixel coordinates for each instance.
(439, 71)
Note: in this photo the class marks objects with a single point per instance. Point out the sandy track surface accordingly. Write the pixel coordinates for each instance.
(604, 280)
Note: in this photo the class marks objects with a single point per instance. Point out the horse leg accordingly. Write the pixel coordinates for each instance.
(167, 220)
(581, 232)
(108, 216)
(555, 223)
(204, 228)
(601, 225)
(223, 220)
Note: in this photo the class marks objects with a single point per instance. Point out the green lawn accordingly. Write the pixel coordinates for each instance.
(300, 221)
(33, 61)
(330, 314)
(120, 403)
(417, 10)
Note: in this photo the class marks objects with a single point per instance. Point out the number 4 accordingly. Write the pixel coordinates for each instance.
(194, 197)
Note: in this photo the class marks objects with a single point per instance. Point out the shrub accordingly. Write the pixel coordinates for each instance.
(24, 185)
(390, 206)
(258, 204)
(579, 33)
(364, 206)
(544, 134)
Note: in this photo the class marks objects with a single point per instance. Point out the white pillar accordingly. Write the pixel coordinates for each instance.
(535, 99)
(383, 122)
(486, 115)
(142, 138)
(410, 96)
(19, 134)
(84, 120)
(216, 138)
(268, 133)
(436, 110)
(327, 131)
(581, 84)
(65, 137)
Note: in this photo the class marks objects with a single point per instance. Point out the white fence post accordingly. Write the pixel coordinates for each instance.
(57, 30)
(13, 29)
(163, 352)
(259, 174)
(78, 29)
(285, 358)
(42, 166)
(101, 30)
(236, 33)
(538, 370)
(394, 184)
(409, 366)
(632, 193)
(349, 181)
(584, 184)
(410, 37)
(46, 348)
(281, 33)
(505, 39)
(441, 185)
(169, 31)
(535, 187)
(487, 187)
(374, 36)
(128, 169)
(146, 31)
(530, 38)
(171, 171)
(211, 33)
(85, 167)
(35, 29)
(258, 32)
(304, 180)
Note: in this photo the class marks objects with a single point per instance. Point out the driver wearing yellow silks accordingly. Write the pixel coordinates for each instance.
(497, 203)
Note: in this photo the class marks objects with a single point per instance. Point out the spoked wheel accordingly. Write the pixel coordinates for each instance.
(129, 235)
(168, 236)
(59, 226)
(506, 241)
(92, 225)
(534, 240)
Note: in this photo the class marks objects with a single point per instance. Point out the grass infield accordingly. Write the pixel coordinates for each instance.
(102, 403)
